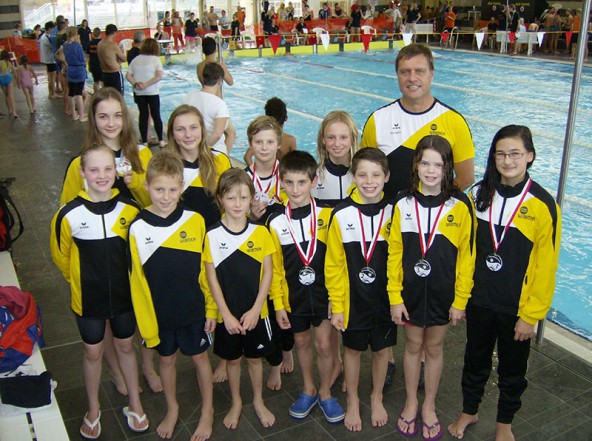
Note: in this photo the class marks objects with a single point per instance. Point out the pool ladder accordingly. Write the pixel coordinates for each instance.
(451, 42)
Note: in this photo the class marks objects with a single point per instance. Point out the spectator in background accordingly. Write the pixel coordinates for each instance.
(240, 15)
(94, 66)
(84, 34)
(356, 23)
(134, 51)
(191, 26)
(224, 21)
(177, 26)
(443, 11)
(167, 23)
(299, 28)
(281, 12)
(213, 20)
(514, 23)
(235, 28)
(324, 12)
(290, 12)
(161, 34)
(413, 16)
(111, 56)
(37, 32)
(17, 33)
(46, 52)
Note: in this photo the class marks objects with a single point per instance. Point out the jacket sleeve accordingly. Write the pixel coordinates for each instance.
(335, 268)
(276, 291)
(542, 269)
(369, 133)
(210, 303)
(137, 185)
(73, 182)
(465, 261)
(142, 298)
(60, 244)
(395, 260)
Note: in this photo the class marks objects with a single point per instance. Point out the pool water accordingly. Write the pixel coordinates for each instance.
(489, 91)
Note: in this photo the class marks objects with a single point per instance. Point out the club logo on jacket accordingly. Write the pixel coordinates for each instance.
(450, 221)
(251, 248)
(523, 214)
(122, 221)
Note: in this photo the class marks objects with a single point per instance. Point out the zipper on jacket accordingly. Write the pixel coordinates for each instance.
(108, 265)
(311, 300)
(425, 285)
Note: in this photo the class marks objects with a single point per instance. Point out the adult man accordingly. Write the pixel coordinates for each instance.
(111, 56)
(413, 16)
(214, 109)
(47, 58)
(134, 51)
(213, 20)
(396, 128)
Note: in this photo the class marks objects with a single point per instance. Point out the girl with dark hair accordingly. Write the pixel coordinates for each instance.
(517, 253)
(430, 274)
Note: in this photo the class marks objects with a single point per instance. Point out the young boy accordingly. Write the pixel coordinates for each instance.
(356, 277)
(237, 249)
(172, 303)
(298, 289)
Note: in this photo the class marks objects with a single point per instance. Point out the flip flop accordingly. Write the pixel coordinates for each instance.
(91, 426)
(437, 436)
(133, 416)
(407, 434)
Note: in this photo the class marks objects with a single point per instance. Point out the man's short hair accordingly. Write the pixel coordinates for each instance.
(110, 29)
(413, 50)
(212, 73)
(208, 46)
(165, 163)
(139, 36)
(298, 161)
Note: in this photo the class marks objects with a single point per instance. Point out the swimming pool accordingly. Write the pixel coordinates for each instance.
(490, 91)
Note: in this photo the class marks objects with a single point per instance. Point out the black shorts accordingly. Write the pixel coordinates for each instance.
(378, 338)
(92, 330)
(302, 323)
(113, 79)
(75, 89)
(191, 340)
(256, 343)
(51, 67)
(96, 74)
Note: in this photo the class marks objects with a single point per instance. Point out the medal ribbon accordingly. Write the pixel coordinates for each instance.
(496, 242)
(312, 245)
(422, 244)
(275, 176)
(368, 252)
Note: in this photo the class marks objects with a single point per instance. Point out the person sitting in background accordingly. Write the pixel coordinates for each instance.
(299, 28)
(17, 33)
(338, 11)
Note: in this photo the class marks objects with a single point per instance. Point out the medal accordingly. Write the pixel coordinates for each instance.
(423, 268)
(122, 165)
(262, 194)
(493, 261)
(306, 275)
(367, 274)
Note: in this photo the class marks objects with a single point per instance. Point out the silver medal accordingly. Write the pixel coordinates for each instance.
(306, 276)
(422, 268)
(494, 262)
(122, 165)
(367, 275)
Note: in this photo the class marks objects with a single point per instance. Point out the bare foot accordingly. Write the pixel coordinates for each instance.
(87, 422)
(220, 375)
(287, 362)
(204, 428)
(153, 380)
(167, 426)
(231, 418)
(120, 385)
(379, 414)
(265, 416)
(457, 429)
(503, 432)
(274, 381)
(352, 420)
(407, 421)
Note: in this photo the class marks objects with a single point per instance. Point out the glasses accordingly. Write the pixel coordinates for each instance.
(500, 156)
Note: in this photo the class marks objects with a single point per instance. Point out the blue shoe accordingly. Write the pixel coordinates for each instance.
(332, 410)
(302, 406)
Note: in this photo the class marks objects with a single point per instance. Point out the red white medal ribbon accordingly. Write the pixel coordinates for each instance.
(422, 243)
(275, 177)
(496, 242)
(368, 252)
(312, 245)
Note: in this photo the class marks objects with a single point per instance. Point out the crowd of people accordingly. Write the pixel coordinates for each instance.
(372, 237)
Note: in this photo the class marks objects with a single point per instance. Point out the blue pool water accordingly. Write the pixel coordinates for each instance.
(489, 91)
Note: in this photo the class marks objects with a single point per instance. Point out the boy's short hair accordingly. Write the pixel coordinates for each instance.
(276, 108)
(298, 161)
(95, 148)
(212, 73)
(72, 31)
(165, 163)
(96, 32)
(230, 179)
(208, 46)
(49, 25)
(371, 154)
(264, 123)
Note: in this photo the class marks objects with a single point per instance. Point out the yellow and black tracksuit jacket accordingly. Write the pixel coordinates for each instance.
(334, 185)
(525, 284)
(286, 290)
(238, 260)
(169, 287)
(365, 306)
(89, 245)
(397, 131)
(74, 182)
(195, 196)
(451, 256)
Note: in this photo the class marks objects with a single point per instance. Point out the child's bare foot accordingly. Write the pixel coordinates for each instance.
(219, 375)
(274, 381)
(287, 362)
(503, 432)
(231, 418)
(153, 380)
(265, 416)
(119, 385)
(204, 428)
(457, 429)
(379, 414)
(352, 420)
(167, 426)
